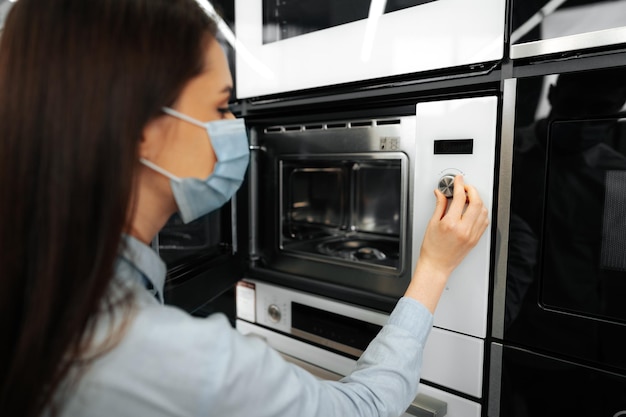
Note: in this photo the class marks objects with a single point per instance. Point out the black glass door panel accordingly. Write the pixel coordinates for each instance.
(535, 20)
(284, 19)
(566, 279)
(584, 256)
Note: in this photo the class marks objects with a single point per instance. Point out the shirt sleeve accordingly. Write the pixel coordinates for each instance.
(251, 379)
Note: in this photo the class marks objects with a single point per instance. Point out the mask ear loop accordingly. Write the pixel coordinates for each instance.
(182, 116)
(160, 170)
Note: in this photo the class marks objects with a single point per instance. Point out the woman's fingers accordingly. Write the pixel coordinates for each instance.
(476, 214)
(461, 227)
(440, 205)
(458, 198)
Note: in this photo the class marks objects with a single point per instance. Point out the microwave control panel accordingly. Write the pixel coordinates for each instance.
(457, 137)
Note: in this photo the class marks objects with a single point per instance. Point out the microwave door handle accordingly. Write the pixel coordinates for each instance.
(427, 406)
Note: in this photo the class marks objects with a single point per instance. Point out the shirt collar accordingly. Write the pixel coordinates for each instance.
(146, 262)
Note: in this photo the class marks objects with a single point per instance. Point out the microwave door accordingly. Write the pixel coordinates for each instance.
(202, 257)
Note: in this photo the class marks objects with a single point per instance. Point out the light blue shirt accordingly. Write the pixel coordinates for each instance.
(168, 363)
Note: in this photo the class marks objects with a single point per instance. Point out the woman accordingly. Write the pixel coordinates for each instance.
(104, 112)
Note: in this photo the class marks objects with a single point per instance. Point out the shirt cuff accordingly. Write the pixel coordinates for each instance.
(412, 316)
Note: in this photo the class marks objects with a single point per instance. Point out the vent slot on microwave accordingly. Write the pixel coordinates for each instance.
(351, 124)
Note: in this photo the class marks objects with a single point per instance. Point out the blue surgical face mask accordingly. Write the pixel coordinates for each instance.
(195, 197)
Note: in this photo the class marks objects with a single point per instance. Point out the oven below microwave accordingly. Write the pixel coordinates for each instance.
(326, 337)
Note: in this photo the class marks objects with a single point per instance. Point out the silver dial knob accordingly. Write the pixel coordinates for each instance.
(273, 311)
(446, 185)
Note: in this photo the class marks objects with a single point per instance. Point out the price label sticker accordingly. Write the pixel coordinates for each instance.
(246, 301)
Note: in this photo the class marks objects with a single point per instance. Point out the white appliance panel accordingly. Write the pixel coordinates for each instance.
(435, 35)
(463, 305)
(455, 361)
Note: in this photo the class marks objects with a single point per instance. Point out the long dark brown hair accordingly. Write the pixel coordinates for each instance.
(79, 80)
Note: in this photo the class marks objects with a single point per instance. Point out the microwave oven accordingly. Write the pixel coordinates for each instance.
(341, 204)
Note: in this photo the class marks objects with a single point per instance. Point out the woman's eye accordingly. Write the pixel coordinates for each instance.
(224, 110)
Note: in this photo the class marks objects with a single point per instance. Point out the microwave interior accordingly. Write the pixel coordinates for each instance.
(584, 245)
(344, 209)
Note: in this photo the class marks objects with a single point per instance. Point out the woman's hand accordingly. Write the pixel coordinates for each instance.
(448, 239)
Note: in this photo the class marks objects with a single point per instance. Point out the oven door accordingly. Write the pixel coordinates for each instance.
(326, 337)
(279, 41)
(566, 272)
(327, 365)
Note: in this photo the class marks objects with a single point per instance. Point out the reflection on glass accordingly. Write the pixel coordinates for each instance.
(584, 264)
(284, 19)
(315, 198)
(350, 210)
(568, 219)
(547, 19)
(566, 272)
(377, 198)
(566, 278)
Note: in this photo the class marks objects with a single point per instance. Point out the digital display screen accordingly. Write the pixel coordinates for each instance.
(454, 147)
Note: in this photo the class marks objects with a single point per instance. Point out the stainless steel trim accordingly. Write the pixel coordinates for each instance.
(569, 43)
(495, 381)
(233, 223)
(427, 406)
(327, 342)
(321, 373)
(253, 196)
(504, 203)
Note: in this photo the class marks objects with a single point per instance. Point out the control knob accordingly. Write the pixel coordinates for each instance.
(273, 311)
(446, 185)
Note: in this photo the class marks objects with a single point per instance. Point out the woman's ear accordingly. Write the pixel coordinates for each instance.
(153, 137)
